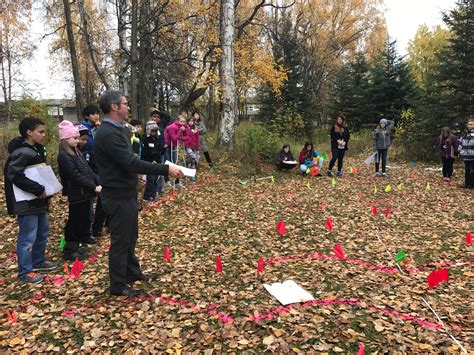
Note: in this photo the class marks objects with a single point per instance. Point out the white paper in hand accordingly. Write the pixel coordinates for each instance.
(288, 292)
(186, 171)
(43, 175)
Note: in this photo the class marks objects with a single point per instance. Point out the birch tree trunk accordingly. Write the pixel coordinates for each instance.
(134, 61)
(90, 44)
(73, 55)
(122, 14)
(227, 81)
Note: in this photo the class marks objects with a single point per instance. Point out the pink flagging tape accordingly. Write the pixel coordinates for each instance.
(381, 268)
(281, 310)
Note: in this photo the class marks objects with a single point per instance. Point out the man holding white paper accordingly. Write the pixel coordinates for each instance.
(26, 151)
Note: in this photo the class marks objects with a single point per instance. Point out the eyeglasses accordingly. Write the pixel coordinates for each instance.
(122, 103)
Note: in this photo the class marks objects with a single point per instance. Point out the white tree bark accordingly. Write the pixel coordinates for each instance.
(227, 72)
(122, 18)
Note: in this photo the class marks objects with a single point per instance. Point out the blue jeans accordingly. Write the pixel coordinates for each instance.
(31, 242)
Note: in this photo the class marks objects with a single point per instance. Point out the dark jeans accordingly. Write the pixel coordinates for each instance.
(381, 155)
(78, 222)
(337, 154)
(447, 166)
(100, 219)
(154, 184)
(469, 173)
(123, 223)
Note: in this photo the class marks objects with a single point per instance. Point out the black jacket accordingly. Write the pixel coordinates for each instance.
(21, 156)
(335, 136)
(78, 179)
(118, 166)
(152, 148)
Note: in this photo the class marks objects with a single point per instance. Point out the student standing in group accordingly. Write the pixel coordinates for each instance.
(202, 140)
(80, 185)
(381, 141)
(118, 169)
(466, 152)
(192, 146)
(447, 144)
(152, 148)
(136, 138)
(339, 139)
(176, 134)
(32, 215)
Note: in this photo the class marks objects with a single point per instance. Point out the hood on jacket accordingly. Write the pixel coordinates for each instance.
(15, 143)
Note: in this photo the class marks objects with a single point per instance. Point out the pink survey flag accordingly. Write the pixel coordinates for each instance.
(281, 227)
(76, 269)
(218, 264)
(260, 265)
(337, 250)
(387, 211)
(469, 237)
(361, 349)
(435, 278)
(167, 254)
(329, 225)
(374, 211)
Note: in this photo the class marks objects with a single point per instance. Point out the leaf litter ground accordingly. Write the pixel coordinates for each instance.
(363, 298)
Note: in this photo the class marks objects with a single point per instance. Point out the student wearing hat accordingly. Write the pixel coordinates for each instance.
(80, 185)
(381, 142)
(152, 149)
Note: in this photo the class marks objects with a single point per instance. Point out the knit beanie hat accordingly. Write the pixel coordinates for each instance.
(383, 121)
(67, 130)
(150, 126)
(83, 130)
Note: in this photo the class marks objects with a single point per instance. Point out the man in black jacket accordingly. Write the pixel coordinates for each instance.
(32, 215)
(118, 169)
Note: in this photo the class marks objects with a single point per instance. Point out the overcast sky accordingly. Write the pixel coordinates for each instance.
(403, 18)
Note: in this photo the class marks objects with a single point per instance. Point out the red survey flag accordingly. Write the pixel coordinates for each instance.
(66, 268)
(329, 225)
(387, 211)
(260, 265)
(76, 269)
(437, 276)
(337, 250)
(314, 171)
(167, 254)
(361, 349)
(218, 264)
(374, 211)
(281, 227)
(469, 237)
(12, 316)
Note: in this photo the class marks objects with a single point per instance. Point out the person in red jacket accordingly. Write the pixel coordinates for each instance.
(176, 134)
(192, 145)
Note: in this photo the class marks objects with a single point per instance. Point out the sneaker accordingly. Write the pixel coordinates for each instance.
(377, 174)
(33, 278)
(330, 173)
(339, 173)
(46, 266)
(448, 179)
(384, 175)
(169, 184)
(90, 240)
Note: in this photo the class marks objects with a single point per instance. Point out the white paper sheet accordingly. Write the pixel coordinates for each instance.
(370, 159)
(186, 171)
(44, 175)
(290, 162)
(288, 292)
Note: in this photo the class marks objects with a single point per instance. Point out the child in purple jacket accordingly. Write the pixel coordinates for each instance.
(447, 144)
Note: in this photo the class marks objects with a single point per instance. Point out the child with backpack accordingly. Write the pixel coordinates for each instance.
(32, 215)
(80, 185)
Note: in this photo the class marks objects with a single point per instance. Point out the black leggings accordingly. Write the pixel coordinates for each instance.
(337, 154)
(78, 222)
(208, 159)
(381, 155)
(447, 166)
(469, 173)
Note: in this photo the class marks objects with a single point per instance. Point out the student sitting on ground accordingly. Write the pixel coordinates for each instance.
(285, 159)
(309, 158)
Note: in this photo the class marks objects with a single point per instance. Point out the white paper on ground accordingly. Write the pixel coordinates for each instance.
(393, 167)
(433, 169)
(370, 159)
(186, 171)
(42, 174)
(290, 162)
(288, 292)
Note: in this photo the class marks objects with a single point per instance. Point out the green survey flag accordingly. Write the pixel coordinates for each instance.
(428, 186)
(244, 182)
(399, 186)
(400, 256)
(62, 243)
(333, 182)
(324, 155)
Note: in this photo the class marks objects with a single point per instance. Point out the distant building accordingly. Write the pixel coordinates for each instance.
(61, 109)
